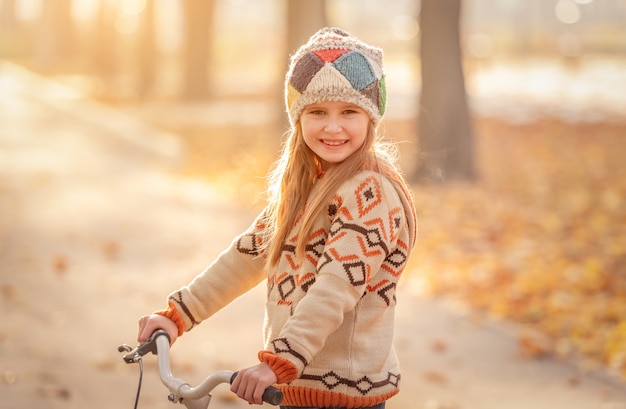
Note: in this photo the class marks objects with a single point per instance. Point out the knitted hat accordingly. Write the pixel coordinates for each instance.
(334, 66)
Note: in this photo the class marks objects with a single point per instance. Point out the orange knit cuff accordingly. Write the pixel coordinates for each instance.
(284, 369)
(172, 313)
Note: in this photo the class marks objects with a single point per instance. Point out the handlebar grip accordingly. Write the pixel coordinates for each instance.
(271, 395)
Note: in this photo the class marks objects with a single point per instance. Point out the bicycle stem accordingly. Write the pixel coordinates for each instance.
(181, 391)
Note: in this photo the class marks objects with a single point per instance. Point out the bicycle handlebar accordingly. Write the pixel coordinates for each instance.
(193, 397)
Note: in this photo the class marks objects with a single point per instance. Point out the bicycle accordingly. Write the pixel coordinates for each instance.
(197, 397)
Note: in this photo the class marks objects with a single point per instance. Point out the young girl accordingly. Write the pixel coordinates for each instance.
(331, 243)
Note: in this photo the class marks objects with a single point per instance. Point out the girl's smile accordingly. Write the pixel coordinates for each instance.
(333, 143)
(334, 130)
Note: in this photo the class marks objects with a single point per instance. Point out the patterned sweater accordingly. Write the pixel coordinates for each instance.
(330, 317)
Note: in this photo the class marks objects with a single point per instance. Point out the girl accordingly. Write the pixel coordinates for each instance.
(331, 243)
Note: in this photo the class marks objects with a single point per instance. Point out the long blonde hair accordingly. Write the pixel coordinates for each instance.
(294, 175)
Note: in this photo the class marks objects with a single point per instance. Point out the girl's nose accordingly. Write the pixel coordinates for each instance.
(332, 126)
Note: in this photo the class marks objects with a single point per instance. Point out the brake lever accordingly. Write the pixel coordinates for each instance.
(134, 355)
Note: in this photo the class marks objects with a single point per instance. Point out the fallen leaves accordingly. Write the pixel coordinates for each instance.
(54, 392)
(60, 264)
(9, 292)
(436, 377)
(534, 346)
(438, 346)
(9, 377)
(541, 239)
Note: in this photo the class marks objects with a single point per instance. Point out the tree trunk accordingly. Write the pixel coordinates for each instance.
(199, 21)
(304, 18)
(147, 51)
(445, 132)
(55, 35)
(7, 15)
(11, 34)
(105, 43)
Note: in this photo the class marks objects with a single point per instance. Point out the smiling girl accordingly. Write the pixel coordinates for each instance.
(334, 130)
(332, 242)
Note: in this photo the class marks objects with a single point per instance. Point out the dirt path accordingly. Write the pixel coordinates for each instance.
(95, 230)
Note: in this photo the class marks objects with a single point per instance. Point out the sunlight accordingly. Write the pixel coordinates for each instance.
(567, 12)
(480, 45)
(129, 19)
(27, 9)
(523, 91)
(127, 23)
(133, 7)
(405, 27)
(108, 158)
(169, 17)
(569, 45)
(85, 10)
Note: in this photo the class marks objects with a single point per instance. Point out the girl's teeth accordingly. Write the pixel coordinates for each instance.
(334, 143)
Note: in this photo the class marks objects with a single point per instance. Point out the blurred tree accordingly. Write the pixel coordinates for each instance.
(7, 14)
(446, 137)
(198, 39)
(54, 43)
(303, 19)
(8, 28)
(147, 50)
(104, 45)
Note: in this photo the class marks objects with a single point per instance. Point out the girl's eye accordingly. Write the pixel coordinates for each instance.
(349, 111)
(317, 112)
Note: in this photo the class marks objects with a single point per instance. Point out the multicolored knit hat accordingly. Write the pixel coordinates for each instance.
(334, 66)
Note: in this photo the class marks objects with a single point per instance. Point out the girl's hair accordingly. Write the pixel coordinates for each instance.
(294, 175)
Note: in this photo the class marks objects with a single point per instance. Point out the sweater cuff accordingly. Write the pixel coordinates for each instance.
(284, 369)
(172, 313)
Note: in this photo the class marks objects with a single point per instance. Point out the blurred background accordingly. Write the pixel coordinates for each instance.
(510, 116)
(186, 65)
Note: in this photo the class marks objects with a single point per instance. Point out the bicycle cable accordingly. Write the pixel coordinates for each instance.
(139, 360)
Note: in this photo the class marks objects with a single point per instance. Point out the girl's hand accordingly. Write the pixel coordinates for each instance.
(150, 323)
(251, 382)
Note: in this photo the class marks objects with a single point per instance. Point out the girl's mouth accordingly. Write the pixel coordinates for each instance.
(334, 142)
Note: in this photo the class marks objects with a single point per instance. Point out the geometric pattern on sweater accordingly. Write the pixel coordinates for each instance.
(363, 385)
(372, 236)
(331, 379)
(177, 298)
(366, 227)
(248, 244)
(281, 345)
(385, 289)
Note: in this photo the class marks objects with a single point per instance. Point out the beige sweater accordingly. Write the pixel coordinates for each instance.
(329, 318)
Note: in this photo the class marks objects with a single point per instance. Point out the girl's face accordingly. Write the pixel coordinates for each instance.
(334, 130)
